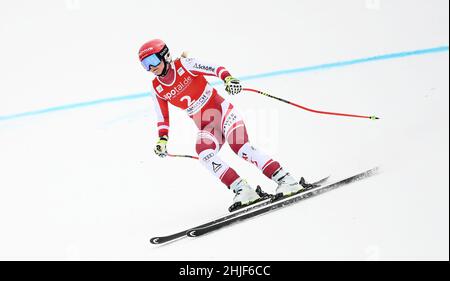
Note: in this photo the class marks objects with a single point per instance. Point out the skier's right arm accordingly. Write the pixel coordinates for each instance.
(162, 118)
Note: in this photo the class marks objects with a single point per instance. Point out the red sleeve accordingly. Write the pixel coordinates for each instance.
(162, 115)
(207, 69)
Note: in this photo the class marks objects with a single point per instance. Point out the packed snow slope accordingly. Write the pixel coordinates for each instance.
(78, 176)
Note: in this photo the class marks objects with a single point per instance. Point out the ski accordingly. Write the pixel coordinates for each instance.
(182, 234)
(169, 238)
(280, 204)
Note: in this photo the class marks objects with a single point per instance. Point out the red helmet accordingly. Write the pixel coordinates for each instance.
(155, 47)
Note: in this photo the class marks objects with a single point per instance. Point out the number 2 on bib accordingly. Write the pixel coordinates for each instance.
(188, 99)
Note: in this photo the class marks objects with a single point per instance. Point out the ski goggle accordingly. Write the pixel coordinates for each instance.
(152, 60)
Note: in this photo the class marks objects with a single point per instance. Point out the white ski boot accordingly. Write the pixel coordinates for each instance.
(245, 195)
(287, 185)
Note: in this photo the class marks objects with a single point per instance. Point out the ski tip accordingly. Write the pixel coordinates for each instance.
(155, 240)
(373, 171)
(368, 173)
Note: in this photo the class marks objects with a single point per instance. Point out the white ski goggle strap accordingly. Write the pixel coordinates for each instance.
(152, 60)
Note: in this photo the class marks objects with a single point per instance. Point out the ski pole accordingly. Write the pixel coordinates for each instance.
(309, 109)
(291, 103)
(185, 156)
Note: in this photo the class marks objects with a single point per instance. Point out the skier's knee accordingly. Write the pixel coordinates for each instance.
(237, 139)
(206, 142)
(200, 147)
(236, 147)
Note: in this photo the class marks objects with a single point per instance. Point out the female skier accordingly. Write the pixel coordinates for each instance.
(182, 83)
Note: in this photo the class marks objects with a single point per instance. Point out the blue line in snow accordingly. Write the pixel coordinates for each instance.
(243, 78)
(72, 106)
(347, 63)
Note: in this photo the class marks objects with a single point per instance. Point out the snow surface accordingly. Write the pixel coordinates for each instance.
(84, 183)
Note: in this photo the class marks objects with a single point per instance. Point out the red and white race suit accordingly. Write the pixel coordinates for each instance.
(218, 122)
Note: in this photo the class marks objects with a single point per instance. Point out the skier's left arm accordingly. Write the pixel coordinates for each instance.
(162, 119)
(232, 85)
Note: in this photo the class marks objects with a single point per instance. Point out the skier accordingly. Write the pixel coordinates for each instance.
(182, 83)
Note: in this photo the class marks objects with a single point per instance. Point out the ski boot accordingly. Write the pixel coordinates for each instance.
(288, 186)
(245, 195)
